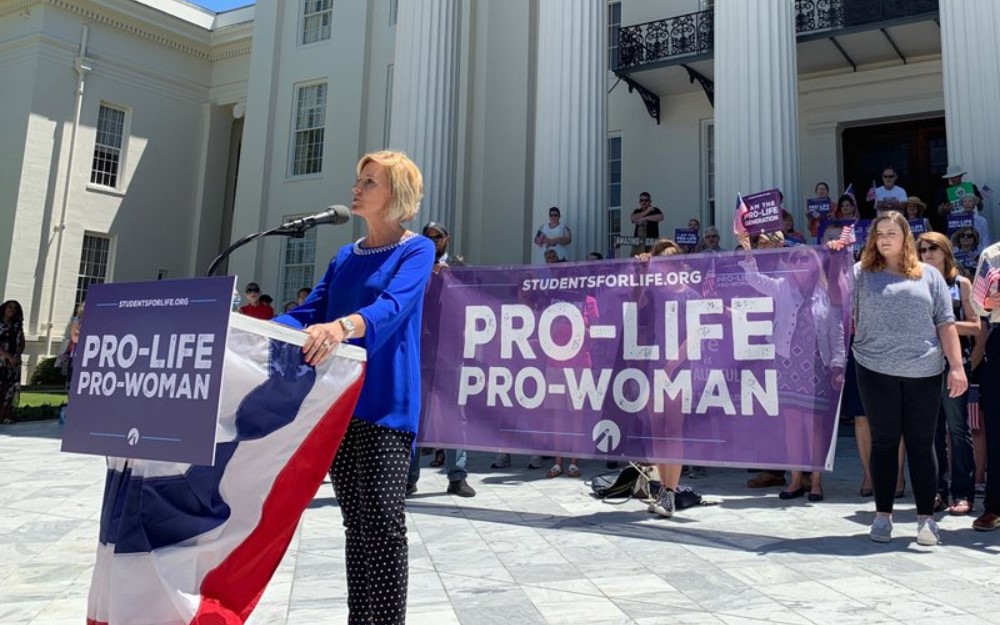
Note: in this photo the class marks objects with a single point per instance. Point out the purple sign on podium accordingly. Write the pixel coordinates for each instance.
(148, 369)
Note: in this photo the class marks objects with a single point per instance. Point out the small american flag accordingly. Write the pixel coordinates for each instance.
(871, 193)
(975, 421)
(986, 279)
(847, 235)
(741, 212)
(850, 191)
(539, 238)
(708, 283)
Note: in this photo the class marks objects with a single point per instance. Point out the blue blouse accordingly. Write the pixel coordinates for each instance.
(387, 289)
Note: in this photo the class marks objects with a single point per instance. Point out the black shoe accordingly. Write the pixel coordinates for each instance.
(460, 488)
(411, 488)
(814, 497)
(792, 494)
(611, 464)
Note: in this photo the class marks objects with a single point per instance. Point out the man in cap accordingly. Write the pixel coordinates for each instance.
(254, 307)
(453, 459)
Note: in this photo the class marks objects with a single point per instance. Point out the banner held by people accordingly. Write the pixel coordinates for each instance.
(652, 361)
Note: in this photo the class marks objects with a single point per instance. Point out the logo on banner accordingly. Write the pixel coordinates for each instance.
(607, 436)
(133, 437)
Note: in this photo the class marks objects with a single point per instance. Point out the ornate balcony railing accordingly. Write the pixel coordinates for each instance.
(674, 39)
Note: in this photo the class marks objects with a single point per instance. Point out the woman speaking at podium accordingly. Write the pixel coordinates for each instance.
(372, 294)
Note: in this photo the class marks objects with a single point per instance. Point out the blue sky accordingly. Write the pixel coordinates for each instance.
(221, 5)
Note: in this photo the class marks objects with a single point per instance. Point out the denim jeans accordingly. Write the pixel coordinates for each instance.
(955, 422)
(454, 463)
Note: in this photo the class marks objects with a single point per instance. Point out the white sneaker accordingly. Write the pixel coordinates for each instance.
(664, 504)
(881, 531)
(927, 533)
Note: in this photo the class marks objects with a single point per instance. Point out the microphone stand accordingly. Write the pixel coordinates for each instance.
(296, 232)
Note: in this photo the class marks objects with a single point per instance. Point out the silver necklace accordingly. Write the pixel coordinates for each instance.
(365, 251)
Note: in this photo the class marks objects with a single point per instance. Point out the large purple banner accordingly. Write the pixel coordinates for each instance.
(708, 359)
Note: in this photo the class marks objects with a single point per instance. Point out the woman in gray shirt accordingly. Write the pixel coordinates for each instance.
(905, 331)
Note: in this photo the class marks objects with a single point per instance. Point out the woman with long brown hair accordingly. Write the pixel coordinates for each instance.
(934, 249)
(905, 332)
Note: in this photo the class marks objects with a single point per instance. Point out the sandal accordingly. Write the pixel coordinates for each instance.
(555, 471)
(438, 458)
(960, 507)
(574, 471)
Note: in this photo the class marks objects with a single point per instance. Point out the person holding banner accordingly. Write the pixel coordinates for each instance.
(966, 244)
(905, 334)
(986, 302)
(803, 315)
(372, 294)
(935, 250)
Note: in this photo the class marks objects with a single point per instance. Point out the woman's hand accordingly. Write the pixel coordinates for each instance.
(836, 245)
(992, 302)
(957, 382)
(322, 339)
(643, 257)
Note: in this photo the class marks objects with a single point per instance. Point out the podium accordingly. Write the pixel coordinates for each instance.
(182, 542)
(632, 245)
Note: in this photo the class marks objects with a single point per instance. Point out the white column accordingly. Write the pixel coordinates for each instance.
(972, 91)
(571, 122)
(424, 100)
(756, 105)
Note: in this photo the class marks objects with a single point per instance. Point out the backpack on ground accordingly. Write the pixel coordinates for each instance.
(632, 482)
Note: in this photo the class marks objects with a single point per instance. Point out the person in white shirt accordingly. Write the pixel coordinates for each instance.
(889, 196)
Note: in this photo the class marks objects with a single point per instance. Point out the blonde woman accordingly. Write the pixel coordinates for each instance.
(935, 249)
(372, 294)
(905, 334)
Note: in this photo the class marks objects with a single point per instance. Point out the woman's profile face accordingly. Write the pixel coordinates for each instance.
(372, 193)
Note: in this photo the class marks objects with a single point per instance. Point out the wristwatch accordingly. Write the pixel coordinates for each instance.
(348, 326)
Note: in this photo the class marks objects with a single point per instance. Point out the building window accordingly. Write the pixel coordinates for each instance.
(393, 12)
(614, 26)
(298, 260)
(317, 16)
(108, 147)
(388, 104)
(614, 188)
(95, 262)
(310, 122)
(708, 172)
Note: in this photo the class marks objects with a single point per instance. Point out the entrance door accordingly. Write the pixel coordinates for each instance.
(917, 149)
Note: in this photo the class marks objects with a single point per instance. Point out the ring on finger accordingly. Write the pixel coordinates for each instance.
(327, 344)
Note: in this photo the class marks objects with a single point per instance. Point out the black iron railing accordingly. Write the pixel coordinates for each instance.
(672, 40)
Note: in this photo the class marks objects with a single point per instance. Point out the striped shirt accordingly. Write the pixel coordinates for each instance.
(991, 256)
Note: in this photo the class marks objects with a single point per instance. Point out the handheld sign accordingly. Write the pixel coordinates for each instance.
(763, 212)
(917, 226)
(958, 221)
(818, 207)
(148, 369)
(686, 236)
(957, 192)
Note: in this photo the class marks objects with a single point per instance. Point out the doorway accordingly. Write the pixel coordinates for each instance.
(917, 149)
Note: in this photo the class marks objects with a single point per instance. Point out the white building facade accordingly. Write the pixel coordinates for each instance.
(192, 129)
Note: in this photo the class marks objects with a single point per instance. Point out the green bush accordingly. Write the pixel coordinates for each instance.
(47, 374)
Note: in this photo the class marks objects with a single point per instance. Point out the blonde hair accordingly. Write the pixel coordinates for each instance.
(776, 238)
(950, 266)
(872, 259)
(406, 183)
(665, 247)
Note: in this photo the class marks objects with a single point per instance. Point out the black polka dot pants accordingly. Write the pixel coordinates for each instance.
(369, 477)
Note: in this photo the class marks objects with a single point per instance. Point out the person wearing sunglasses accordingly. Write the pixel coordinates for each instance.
(803, 315)
(934, 249)
(965, 243)
(905, 334)
(554, 235)
(889, 195)
(710, 242)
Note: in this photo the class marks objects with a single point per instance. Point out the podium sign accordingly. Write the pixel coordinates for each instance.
(148, 369)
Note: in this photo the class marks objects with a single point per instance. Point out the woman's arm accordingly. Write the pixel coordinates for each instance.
(957, 382)
(971, 325)
(566, 239)
(979, 347)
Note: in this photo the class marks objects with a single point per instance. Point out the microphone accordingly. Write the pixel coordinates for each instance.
(336, 215)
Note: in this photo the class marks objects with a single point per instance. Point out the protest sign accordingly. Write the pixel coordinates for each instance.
(956, 192)
(818, 207)
(763, 212)
(917, 226)
(959, 220)
(148, 368)
(686, 236)
(681, 359)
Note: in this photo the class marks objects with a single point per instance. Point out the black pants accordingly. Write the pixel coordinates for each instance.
(953, 422)
(369, 477)
(990, 404)
(907, 407)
